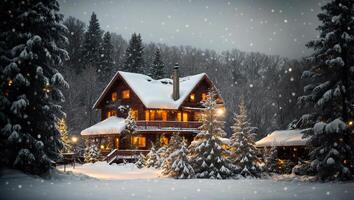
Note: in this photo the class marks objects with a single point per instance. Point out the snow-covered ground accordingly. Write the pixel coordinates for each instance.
(127, 182)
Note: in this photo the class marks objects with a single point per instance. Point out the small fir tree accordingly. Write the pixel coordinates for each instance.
(173, 145)
(208, 158)
(134, 61)
(65, 139)
(140, 163)
(244, 153)
(157, 69)
(92, 153)
(270, 159)
(153, 158)
(181, 167)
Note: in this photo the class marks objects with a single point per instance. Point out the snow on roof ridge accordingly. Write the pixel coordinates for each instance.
(157, 94)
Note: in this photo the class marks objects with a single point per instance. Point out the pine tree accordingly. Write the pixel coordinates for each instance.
(331, 88)
(65, 139)
(244, 152)
(92, 153)
(106, 57)
(134, 61)
(153, 158)
(331, 154)
(157, 69)
(31, 34)
(208, 158)
(181, 167)
(140, 163)
(92, 44)
(271, 159)
(173, 145)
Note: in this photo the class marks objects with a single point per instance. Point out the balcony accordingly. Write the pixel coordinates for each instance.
(168, 125)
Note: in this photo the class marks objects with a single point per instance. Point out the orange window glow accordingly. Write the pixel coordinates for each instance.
(147, 115)
(164, 115)
(185, 117)
(192, 97)
(126, 94)
(114, 96)
(179, 116)
(204, 97)
(138, 141)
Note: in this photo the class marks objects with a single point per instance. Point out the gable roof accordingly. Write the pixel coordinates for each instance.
(155, 93)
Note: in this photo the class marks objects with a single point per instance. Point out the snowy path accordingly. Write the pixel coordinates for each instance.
(140, 185)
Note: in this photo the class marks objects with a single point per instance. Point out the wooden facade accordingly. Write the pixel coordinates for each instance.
(154, 125)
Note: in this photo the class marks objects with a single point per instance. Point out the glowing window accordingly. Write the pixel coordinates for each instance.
(134, 114)
(126, 94)
(204, 96)
(185, 117)
(152, 114)
(114, 96)
(147, 115)
(179, 116)
(192, 97)
(164, 115)
(111, 113)
(164, 140)
(138, 141)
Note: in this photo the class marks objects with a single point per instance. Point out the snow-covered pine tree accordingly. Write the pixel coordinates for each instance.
(157, 69)
(134, 61)
(92, 153)
(331, 154)
(181, 167)
(173, 145)
(140, 163)
(31, 34)
(331, 88)
(153, 158)
(243, 151)
(208, 158)
(270, 159)
(92, 43)
(105, 67)
(65, 139)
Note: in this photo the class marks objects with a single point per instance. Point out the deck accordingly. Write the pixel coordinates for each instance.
(168, 125)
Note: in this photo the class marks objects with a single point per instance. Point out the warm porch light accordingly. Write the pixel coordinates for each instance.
(74, 139)
(102, 146)
(350, 123)
(9, 82)
(220, 111)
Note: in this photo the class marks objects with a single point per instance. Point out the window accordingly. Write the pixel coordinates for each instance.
(185, 117)
(134, 114)
(126, 94)
(152, 115)
(114, 96)
(159, 115)
(111, 113)
(164, 115)
(204, 96)
(147, 115)
(138, 141)
(192, 97)
(179, 116)
(164, 140)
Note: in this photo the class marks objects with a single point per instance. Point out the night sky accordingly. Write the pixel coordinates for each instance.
(279, 27)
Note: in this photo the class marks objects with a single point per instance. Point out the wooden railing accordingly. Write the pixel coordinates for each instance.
(168, 124)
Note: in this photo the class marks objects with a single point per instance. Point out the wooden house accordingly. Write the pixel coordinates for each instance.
(159, 107)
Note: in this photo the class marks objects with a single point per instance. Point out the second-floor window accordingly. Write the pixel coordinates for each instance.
(134, 114)
(192, 97)
(114, 96)
(126, 94)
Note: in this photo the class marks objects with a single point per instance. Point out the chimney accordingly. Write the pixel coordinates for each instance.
(175, 80)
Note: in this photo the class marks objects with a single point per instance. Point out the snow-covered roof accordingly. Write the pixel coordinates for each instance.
(156, 93)
(284, 138)
(111, 125)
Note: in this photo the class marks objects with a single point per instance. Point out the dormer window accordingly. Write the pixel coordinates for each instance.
(192, 97)
(126, 94)
(114, 96)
